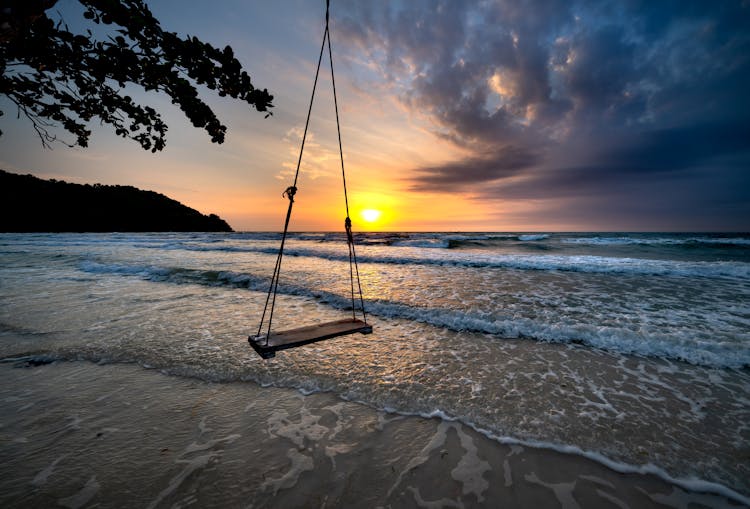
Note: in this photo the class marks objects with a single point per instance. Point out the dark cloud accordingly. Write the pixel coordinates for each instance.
(599, 200)
(709, 156)
(681, 148)
(606, 93)
(458, 175)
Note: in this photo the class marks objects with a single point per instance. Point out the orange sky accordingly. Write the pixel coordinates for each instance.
(525, 155)
(242, 180)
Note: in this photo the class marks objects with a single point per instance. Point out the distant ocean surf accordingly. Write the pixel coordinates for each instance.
(630, 349)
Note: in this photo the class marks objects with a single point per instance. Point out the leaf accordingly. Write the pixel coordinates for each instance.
(73, 74)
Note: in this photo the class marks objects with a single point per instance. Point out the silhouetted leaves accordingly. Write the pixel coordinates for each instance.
(57, 78)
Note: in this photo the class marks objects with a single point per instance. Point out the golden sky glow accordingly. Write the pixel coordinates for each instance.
(243, 180)
(554, 128)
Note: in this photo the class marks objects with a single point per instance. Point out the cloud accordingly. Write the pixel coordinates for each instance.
(316, 159)
(709, 155)
(553, 93)
(450, 177)
(681, 148)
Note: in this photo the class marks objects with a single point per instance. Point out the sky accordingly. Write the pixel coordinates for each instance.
(458, 115)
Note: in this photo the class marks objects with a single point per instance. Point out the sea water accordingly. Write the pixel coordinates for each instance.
(631, 349)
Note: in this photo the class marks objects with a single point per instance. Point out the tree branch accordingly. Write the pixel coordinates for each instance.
(69, 73)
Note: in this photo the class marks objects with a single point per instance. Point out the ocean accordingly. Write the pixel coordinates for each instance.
(630, 351)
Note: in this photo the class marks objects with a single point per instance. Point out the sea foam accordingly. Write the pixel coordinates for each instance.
(422, 252)
(671, 345)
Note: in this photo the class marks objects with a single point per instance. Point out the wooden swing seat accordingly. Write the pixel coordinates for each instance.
(293, 338)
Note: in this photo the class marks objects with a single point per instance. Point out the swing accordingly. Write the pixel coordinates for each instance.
(268, 343)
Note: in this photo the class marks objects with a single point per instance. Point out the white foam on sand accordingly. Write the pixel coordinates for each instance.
(680, 500)
(307, 428)
(300, 463)
(443, 503)
(470, 468)
(42, 476)
(691, 485)
(507, 471)
(437, 440)
(563, 491)
(196, 463)
(342, 421)
(228, 458)
(83, 496)
(606, 495)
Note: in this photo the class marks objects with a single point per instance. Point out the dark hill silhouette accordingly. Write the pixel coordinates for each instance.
(30, 204)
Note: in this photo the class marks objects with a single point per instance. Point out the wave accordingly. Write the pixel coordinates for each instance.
(533, 237)
(179, 275)
(742, 242)
(426, 243)
(580, 263)
(602, 337)
(663, 345)
(453, 241)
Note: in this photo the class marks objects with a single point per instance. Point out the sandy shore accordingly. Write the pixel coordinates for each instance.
(76, 434)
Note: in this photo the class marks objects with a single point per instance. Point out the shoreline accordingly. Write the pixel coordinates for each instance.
(316, 433)
(644, 452)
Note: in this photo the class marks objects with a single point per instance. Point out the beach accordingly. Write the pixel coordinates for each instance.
(573, 370)
(120, 436)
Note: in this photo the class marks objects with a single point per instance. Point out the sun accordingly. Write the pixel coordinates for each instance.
(370, 215)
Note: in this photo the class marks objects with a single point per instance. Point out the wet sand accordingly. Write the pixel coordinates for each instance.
(77, 434)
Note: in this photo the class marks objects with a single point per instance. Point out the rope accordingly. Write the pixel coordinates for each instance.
(292, 190)
(347, 221)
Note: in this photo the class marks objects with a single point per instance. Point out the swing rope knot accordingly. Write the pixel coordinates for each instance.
(289, 193)
(348, 228)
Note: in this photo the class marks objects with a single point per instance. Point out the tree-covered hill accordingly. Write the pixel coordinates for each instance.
(30, 204)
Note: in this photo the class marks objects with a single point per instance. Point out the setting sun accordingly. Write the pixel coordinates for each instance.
(370, 215)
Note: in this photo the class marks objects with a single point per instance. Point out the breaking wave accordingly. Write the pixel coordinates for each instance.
(674, 345)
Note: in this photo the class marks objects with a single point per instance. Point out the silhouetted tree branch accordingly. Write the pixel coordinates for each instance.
(60, 79)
